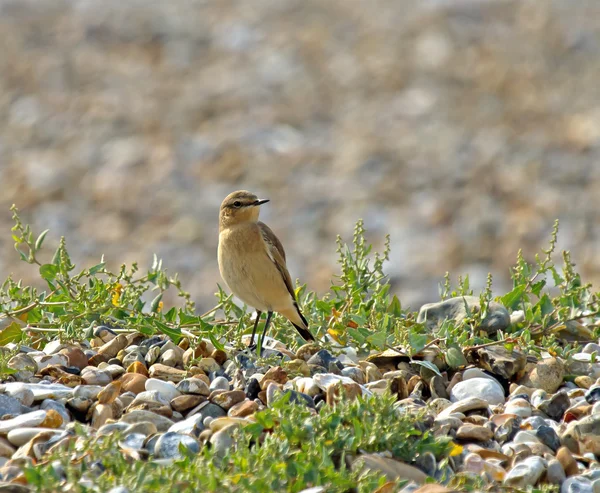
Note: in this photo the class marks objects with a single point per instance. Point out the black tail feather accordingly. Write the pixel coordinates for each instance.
(306, 335)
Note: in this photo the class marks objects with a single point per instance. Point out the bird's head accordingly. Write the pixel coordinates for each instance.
(240, 207)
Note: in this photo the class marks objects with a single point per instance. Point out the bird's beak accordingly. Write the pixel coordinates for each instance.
(261, 201)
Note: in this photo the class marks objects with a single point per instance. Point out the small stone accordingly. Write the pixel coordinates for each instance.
(219, 383)
(76, 357)
(53, 360)
(97, 359)
(172, 358)
(306, 351)
(243, 409)
(474, 432)
(555, 474)
(229, 398)
(163, 372)
(584, 381)
(133, 382)
(6, 448)
(9, 405)
(520, 407)
(464, 406)
(556, 406)
(253, 388)
(113, 346)
(208, 409)
(221, 442)
(483, 388)
(208, 365)
(94, 376)
(567, 461)
(194, 385)
(162, 423)
(168, 445)
(525, 473)
(101, 414)
(190, 426)
(547, 375)
(324, 359)
(355, 374)
(53, 419)
(186, 402)
(152, 355)
(219, 356)
(24, 364)
(134, 357)
(32, 419)
(109, 393)
(167, 390)
(583, 435)
(577, 484)
(276, 374)
(145, 428)
(434, 314)
(138, 367)
(548, 437)
(104, 333)
(593, 394)
(500, 361)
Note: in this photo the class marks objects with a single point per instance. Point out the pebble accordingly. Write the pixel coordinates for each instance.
(555, 474)
(32, 419)
(525, 473)
(474, 432)
(547, 375)
(168, 445)
(519, 407)
(167, 390)
(193, 386)
(577, 484)
(219, 383)
(487, 389)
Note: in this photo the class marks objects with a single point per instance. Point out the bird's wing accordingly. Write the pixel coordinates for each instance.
(277, 255)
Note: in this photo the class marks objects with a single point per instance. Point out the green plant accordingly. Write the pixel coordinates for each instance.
(288, 448)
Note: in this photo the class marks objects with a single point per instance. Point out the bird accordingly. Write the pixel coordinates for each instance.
(253, 265)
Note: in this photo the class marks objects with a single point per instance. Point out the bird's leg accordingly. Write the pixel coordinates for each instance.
(262, 339)
(252, 345)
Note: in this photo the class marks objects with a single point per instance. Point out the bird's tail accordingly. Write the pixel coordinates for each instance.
(297, 319)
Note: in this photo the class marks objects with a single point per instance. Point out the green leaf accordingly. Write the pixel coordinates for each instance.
(537, 287)
(558, 280)
(215, 342)
(155, 302)
(40, 239)
(378, 339)
(323, 306)
(171, 315)
(429, 365)
(172, 332)
(96, 268)
(395, 307)
(49, 271)
(21, 254)
(417, 341)
(185, 319)
(511, 299)
(12, 333)
(56, 257)
(455, 357)
(356, 335)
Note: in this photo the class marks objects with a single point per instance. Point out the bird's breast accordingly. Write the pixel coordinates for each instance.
(249, 272)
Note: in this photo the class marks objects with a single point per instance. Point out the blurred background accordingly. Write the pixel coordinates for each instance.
(462, 128)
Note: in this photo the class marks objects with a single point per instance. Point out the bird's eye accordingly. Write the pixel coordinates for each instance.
(237, 204)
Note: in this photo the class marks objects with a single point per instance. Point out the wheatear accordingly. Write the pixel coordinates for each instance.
(252, 263)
